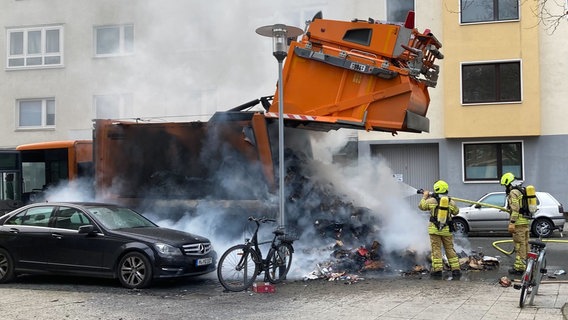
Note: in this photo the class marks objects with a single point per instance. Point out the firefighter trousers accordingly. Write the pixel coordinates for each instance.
(436, 244)
(521, 241)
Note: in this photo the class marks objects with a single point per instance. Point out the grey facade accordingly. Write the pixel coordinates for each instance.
(422, 162)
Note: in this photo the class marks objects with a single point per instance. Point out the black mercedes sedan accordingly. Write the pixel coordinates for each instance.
(98, 240)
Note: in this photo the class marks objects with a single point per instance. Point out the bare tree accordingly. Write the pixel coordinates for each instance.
(551, 13)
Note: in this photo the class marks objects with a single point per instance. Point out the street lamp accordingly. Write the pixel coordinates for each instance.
(280, 33)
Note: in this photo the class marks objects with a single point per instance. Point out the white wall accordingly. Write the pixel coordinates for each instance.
(554, 72)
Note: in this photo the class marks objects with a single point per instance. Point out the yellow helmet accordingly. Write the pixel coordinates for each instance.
(441, 186)
(507, 178)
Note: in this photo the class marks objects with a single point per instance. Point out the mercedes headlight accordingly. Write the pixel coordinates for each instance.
(167, 250)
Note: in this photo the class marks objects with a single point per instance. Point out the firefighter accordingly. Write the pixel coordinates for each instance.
(518, 224)
(441, 208)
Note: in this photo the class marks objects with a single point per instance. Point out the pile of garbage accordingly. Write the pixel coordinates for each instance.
(314, 201)
(353, 265)
(348, 265)
(477, 261)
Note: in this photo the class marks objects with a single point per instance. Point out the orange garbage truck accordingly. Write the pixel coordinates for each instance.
(360, 75)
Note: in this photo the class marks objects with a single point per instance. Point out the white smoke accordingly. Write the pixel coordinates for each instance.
(77, 190)
(369, 183)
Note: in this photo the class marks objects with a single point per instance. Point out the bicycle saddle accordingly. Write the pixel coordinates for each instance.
(537, 243)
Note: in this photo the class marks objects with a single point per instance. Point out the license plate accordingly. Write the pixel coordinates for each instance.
(358, 67)
(203, 261)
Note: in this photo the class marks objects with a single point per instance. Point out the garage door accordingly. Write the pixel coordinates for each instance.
(416, 165)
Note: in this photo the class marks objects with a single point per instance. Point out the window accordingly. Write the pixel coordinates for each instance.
(35, 47)
(36, 113)
(114, 40)
(9, 186)
(70, 218)
(488, 161)
(398, 9)
(473, 11)
(112, 106)
(38, 217)
(491, 82)
(495, 199)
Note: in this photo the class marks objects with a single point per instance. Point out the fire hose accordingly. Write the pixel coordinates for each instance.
(420, 191)
(497, 243)
(481, 204)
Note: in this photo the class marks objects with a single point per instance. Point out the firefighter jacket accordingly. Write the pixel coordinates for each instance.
(514, 203)
(431, 204)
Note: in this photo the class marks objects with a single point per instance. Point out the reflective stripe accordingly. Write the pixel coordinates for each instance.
(291, 116)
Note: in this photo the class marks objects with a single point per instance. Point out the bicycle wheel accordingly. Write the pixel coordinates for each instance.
(539, 272)
(237, 268)
(279, 262)
(525, 291)
(526, 283)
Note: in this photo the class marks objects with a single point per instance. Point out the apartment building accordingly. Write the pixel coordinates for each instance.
(502, 105)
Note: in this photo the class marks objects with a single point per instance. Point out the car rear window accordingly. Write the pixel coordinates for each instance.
(495, 199)
(37, 217)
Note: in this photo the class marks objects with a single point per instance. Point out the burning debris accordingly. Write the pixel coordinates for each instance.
(352, 265)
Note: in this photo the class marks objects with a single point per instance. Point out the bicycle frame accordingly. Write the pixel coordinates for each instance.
(538, 271)
(255, 244)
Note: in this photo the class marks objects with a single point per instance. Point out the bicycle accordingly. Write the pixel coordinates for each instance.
(240, 265)
(534, 271)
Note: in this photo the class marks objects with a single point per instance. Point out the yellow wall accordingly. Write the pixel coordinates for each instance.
(491, 42)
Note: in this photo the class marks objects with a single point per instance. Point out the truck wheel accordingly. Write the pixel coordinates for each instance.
(134, 270)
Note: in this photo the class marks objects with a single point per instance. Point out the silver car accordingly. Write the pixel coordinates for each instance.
(476, 218)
